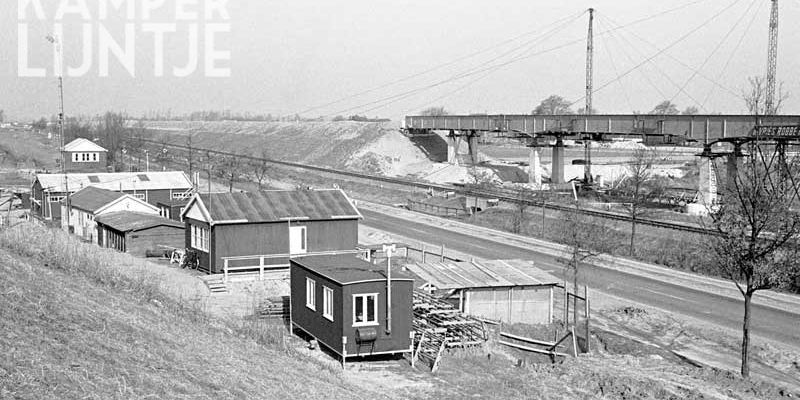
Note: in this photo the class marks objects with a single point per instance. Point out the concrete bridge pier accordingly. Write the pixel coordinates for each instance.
(453, 143)
(557, 166)
(733, 162)
(472, 142)
(535, 170)
(707, 181)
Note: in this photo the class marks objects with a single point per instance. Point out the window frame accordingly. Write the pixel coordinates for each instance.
(366, 322)
(311, 294)
(327, 303)
(200, 238)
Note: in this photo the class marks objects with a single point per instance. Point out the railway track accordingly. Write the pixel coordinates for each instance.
(503, 195)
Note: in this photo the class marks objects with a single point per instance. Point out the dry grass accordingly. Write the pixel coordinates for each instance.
(26, 149)
(75, 326)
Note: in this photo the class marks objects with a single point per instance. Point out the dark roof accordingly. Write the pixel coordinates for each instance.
(127, 221)
(174, 203)
(347, 269)
(93, 198)
(279, 205)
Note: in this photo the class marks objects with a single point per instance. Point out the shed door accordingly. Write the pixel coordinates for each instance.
(297, 240)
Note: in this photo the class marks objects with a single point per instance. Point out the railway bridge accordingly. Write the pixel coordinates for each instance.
(538, 131)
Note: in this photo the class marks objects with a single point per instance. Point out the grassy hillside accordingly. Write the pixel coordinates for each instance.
(75, 326)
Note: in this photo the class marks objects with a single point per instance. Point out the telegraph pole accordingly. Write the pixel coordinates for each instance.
(587, 168)
(56, 41)
(772, 60)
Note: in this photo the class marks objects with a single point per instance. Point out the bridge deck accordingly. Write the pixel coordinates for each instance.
(702, 128)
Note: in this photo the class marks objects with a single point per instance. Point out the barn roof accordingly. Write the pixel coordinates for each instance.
(278, 205)
(481, 274)
(81, 144)
(128, 221)
(116, 181)
(347, 269)
(92, 198)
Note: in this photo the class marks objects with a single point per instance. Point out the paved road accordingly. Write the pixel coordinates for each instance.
(767, 322)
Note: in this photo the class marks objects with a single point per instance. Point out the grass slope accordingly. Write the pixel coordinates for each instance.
(75, 327)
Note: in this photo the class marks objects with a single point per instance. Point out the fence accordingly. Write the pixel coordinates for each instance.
(435, 209)
(262, 265)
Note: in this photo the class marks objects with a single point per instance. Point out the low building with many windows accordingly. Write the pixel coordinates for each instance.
(341, 301)
(256, 230)
(49, 190)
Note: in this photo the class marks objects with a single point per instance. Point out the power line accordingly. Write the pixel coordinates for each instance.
(734, 52)
(718, 46)
(680, 39)
(616, 72)
(429, 70)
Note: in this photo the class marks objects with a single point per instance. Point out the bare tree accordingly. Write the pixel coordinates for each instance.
(666, 107)
(261, 167)
(755, 225)
(519, 217)
(190, 153)
(755, 97)
(230, 168)
(636, 185)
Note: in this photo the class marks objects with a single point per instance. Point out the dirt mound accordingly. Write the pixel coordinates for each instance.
(372, 147)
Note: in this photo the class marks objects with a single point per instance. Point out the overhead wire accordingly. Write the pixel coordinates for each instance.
(734, 52)
(661, 51)
(604, 45)
(647, 18)
(469, 72)
(677, 60)
(714, 51)
(438, 67)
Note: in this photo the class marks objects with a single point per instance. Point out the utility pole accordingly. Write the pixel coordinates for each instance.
(772, 60)
(587, 168)
(56, 41)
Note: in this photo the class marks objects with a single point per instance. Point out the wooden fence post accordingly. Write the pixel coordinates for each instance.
(586, 312)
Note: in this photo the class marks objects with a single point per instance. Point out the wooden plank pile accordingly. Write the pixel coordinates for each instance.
(439, 325)
(274, 307)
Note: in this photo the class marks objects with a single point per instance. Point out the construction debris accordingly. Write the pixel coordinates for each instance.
(439, 325)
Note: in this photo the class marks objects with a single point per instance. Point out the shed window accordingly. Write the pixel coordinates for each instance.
(200, 238)
(365, 309)
(327, 302)
(311, 295)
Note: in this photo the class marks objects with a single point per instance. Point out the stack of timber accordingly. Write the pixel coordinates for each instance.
(274, 307)
(439, 325)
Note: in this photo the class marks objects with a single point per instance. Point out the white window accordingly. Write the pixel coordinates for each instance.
(297, 240)
(179, 196)
(200, 238)
(327, 302)
(139, 196)
(94, 156)
(75, 157)
(311, 294)
(56, 199)
(365, 309)
(85, 157)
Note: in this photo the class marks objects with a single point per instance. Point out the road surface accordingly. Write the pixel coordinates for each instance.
(767, 322)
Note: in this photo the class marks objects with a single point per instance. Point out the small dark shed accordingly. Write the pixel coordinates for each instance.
(135, 233)
(340, 300)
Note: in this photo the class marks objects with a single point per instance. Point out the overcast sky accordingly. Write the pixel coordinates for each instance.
(481, 56)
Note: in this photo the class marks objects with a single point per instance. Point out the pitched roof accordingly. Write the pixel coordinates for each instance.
(127, 221)
(81, 144)
(481, 274)
(347, 269)
(116, 181)
(93, 198)
(278, 205)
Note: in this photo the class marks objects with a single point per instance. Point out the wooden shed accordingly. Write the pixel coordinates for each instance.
(340, 300)
(257, 230)
(135, 233)
(512, 291)
(90, 202)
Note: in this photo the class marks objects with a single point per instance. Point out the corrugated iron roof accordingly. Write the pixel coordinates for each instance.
(81, 144)
(347, 269)
(116, 181)
(92, 198)
(128, 221)
(477, 274)
(279, 205)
